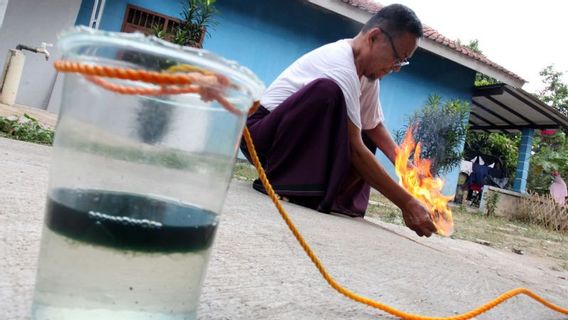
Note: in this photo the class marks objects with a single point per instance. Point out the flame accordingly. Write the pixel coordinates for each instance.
(419, 182)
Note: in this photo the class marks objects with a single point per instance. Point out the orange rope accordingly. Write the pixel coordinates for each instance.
(161, 78)
(207, 84)
(351, 295)
(205, 92)
(193, 82)
(142, 91)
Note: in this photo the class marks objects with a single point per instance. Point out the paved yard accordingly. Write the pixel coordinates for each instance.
(258, 271)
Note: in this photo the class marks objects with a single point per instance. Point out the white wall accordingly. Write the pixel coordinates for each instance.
(31, 22)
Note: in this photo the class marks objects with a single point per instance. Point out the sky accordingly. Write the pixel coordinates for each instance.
(522, 36)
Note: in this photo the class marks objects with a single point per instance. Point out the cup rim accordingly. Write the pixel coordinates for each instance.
(77, 37)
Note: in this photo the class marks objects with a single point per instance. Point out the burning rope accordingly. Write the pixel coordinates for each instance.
(210, 86)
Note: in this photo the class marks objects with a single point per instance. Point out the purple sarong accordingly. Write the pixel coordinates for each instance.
(304, 149)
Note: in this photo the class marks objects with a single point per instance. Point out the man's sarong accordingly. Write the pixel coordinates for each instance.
(304, 148)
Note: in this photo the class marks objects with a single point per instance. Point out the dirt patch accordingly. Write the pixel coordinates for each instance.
(518, 237)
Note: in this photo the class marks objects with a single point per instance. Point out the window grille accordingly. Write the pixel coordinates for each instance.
(143, 20)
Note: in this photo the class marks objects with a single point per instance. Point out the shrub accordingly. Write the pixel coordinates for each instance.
(25, 128)
(441, 128)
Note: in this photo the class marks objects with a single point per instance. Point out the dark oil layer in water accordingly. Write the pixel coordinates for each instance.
(129, 221)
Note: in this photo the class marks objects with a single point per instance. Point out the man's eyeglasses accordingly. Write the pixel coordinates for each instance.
(398, 61)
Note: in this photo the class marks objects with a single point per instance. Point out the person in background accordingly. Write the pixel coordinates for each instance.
(558, 188)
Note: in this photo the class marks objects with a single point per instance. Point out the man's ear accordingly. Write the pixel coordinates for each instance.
(373, 34)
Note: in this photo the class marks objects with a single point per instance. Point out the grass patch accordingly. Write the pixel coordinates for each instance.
(499, 232)
(244, 171)
(508, 235)
(25, 128)
(380, 207)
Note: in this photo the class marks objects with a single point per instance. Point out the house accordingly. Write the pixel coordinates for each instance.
(266, 36)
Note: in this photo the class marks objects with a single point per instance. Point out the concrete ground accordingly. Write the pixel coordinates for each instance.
(258, 271)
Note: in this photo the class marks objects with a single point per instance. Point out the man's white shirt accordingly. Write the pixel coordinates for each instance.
(333, 61)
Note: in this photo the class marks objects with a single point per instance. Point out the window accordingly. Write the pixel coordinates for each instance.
(142, 20)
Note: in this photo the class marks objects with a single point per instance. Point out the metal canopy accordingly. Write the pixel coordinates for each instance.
(503, 108)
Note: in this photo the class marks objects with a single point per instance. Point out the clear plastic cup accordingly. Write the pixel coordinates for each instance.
(136, 184)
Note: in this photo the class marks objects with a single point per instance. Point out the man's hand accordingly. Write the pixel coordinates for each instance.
(417, 218)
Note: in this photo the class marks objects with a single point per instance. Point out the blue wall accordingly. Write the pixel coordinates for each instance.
(267, 36)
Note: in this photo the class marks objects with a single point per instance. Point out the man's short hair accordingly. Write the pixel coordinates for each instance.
(395, 19)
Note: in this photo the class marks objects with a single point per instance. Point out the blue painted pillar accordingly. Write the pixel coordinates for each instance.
(520, 184)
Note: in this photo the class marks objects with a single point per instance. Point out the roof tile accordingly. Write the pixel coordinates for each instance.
(430, 33)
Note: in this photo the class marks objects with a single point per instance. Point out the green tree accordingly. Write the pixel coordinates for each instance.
(502, 146)
(549, 153)
(197, 18)
(555, 92)
(480, 78)
(441, 128)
